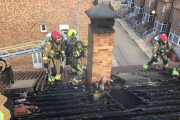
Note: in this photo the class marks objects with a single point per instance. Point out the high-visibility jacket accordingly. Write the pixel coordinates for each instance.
(5, 113)
(50, 50)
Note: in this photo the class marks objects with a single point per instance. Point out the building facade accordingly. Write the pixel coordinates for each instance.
(23, 21)
(174, 34)
(130, 4)
(138, 9)
(148, 17)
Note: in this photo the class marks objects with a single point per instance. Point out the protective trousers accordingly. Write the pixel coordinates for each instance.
(55, 70)
(77, 66)
(154, 59)
(6, 108)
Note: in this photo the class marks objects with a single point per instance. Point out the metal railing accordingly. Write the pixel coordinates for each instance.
(22, 49)
(130, 15)
(137, 23)
(124, 11)
(149, 34)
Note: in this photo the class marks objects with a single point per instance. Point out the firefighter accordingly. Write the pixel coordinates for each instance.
(52, 55)
(6, 107)
(7, 73)
(78, 49)
(175, 73)
(160, 49)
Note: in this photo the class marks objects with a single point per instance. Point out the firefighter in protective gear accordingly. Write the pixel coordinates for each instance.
(77, 52)
(160, 49)
(6, 107)
(175, 73)
(7, 73)
(52, 55)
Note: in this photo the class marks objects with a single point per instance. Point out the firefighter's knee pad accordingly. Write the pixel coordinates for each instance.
(54, 72)
(61, 69)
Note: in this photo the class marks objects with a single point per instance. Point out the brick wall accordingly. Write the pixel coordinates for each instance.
(138, 16)
(90, 55)
(130, 10)
(20, 22)
(176, 21)
(176, 2)
(165, 17)
(152, 6)
(139, 2)
(149, 25)
(100, 55)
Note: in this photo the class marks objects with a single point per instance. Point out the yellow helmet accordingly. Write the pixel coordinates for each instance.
(72, 33)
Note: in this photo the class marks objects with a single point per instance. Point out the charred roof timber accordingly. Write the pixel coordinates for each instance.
(102, 17)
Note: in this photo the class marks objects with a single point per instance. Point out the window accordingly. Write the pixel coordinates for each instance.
(141, 10)
(160, 26)
(151, 16)
(43, 28)
(179, 24)
(163, 10)
(148, 17)
(130, 3)
(37, 60)
(64, 28)
(174, 37)
(138, 9)
(163, 27)
(149, 3)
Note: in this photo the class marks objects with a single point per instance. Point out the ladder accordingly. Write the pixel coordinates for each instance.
(22, 49)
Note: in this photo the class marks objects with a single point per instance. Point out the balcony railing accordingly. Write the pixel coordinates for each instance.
(124, 11)
(137, 23)
(130, 15)
(149, 34)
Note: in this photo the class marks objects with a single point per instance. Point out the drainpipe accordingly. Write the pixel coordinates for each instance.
(169, 18)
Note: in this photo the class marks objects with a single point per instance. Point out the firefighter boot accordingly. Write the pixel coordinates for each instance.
(145, 67)
(175, 77)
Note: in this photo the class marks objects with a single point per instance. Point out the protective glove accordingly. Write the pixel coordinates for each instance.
(45, 65)
(62, 58)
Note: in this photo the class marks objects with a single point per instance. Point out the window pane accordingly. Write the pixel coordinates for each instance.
(34, 57)
(170, 38)
(164, 28)
(141, 10)
(39, 57)
(159, 26)
(176, 40)
(132, 4)
(43, 28)
(151, 18)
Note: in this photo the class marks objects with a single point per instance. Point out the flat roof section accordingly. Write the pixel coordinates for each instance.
(20, 86)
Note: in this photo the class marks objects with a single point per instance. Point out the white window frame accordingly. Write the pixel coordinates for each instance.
(137, 9)
(163, 10)
(159, 26)
(131, 3)
(41, 27)
(174, 35)
(64, 28)
(147, 16)
(149, 3)
(38, 64)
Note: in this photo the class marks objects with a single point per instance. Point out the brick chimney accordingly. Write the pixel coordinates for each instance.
(100, 42)
(100, 52)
